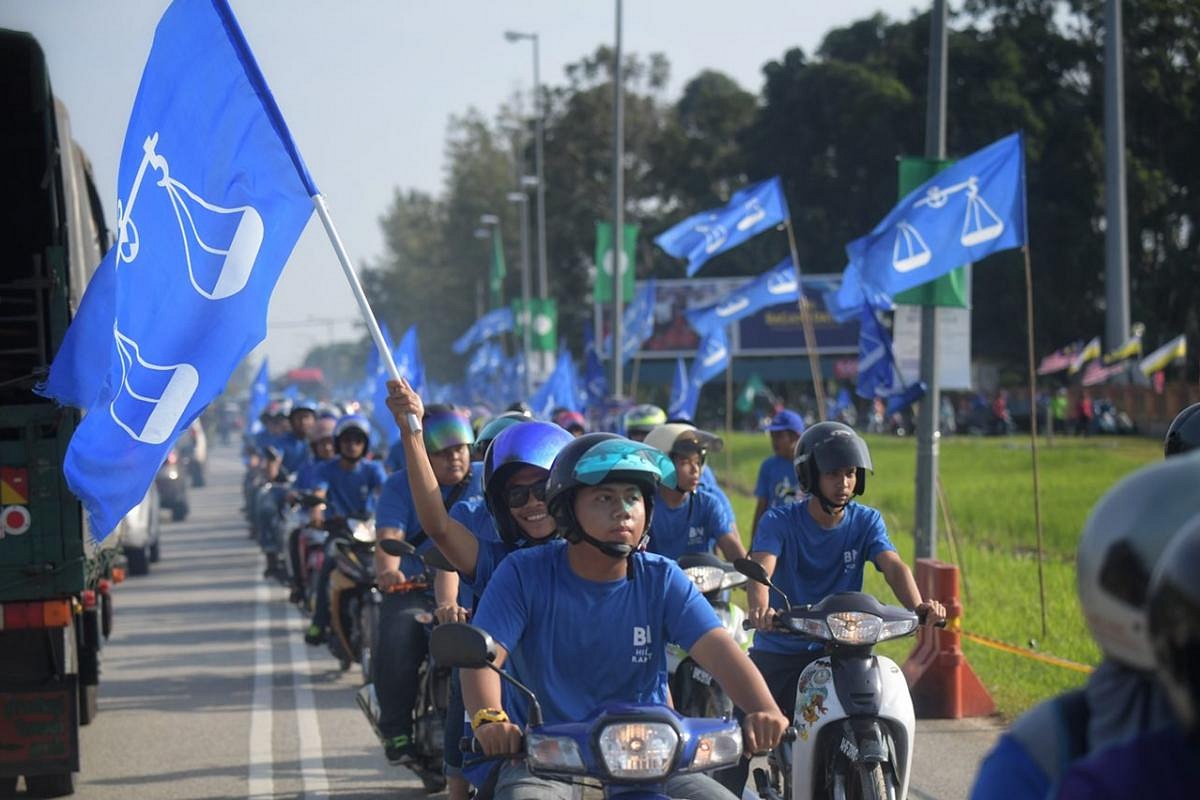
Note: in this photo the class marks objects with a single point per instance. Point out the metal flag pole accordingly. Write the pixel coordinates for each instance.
(1037, 495)
(806, 325)
(729, 415)
(618, 200)
(414, 424)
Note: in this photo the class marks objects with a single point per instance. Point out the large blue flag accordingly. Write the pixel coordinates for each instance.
(559, 389)
(260, 395)
(212, 196)
(683, 396)
(407, 357)
(877, 372)
(711, 358)
(776, 285)
(964, 213)
(594, 378)
(846, 302)
(757, 208)
(637, 323)
(490, 324)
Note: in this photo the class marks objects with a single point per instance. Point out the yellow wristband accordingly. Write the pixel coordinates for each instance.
(485, 715)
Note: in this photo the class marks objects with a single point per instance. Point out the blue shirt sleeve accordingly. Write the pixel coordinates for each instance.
(771, 529)
(686, 614)
(1008, 772)
(875, 539)
(395, 503)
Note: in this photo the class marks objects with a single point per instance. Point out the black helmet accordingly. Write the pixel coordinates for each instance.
(1173, 617)
(492, 428)
(528, 444)
(597, 458)
(825, 447)
(1184, 433)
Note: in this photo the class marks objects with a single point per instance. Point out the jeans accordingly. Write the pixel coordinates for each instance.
(268, 517)
(515, 783)
(400, 646)
(321, 611)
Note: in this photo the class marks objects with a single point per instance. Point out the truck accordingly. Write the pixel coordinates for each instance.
(55, 601)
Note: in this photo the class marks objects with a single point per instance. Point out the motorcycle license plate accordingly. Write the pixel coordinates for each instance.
(702, 676)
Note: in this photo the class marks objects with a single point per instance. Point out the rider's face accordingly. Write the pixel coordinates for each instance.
(838, 485)
(612, 512)
(783, 443)
(688, 467)
(531, 516)
(450, 464)
(352, 445)
(323, 448)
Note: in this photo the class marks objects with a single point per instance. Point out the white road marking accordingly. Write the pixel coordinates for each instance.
(312, 758)
(261, 780)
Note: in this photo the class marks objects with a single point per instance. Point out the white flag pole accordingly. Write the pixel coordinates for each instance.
(414, 424)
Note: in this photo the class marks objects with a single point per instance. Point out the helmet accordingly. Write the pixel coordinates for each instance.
(825, 447)
(355, 422)
(1173, 618)
(570, 421)
(1184, 433)
(521, 444)
(522, 408)
(644, 417)
(681, 438)
(1124, 535)
(277, 409)
(300, 407)
(446, 426)
(323, 429)
(596, 458)
(493, 428)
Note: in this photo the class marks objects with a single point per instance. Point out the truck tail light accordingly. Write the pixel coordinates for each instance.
(36, 614)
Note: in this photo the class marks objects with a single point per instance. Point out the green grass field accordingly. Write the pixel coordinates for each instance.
(988, 484)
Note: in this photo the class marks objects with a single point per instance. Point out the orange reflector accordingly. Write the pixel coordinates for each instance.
(56, 613)
(89, 598)
(118, 574)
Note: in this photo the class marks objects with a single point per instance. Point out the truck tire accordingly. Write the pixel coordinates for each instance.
(138, 560)
(872, 781)
(50, 785)
(87, 702)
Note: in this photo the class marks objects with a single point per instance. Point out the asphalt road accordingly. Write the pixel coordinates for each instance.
(208, 690)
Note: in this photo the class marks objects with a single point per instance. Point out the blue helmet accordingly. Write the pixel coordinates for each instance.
(352, 422)
(528, 444)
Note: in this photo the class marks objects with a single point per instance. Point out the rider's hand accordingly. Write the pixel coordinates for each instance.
(402, 400)
(762, 730)
(499, 738)
(763, 618)
(451, 612)
(933, 611)
(389, 578)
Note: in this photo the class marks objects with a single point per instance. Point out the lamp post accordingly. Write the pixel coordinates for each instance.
(483, 234)
(522, 200)
(539, 116)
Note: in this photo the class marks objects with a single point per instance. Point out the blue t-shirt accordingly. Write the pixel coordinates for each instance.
(694, 527)
(296, 452)
(397, 510)
(308, 478)
(473, 515)
(350, 492)
(395, 458)
(579, 644)
(1008, 772)
(815, 562)
(777, 482)
(1163, 765)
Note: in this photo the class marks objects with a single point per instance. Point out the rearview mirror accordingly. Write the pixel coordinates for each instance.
(457, 644)
(396, 547)
(752, 570)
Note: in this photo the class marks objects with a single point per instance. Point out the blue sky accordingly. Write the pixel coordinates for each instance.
(367, 87)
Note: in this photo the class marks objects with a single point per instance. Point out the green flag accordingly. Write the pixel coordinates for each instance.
(543, 337)
(497, 272)
(604, 258)
(753, 388)
(950, 289)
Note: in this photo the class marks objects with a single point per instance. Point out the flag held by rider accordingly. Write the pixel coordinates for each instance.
(752, 210)
(212, 196)
(961, 215)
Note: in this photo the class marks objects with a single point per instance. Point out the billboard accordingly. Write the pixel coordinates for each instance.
(771, 331)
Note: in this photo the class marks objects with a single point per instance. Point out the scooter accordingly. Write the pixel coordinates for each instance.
(854, 716)
(693, 690)
(433, 680)
(351, 544)
(630, 749)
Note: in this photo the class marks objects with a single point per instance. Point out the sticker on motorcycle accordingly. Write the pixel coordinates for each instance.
(810, 697)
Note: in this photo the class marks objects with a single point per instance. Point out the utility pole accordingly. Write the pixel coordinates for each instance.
(618, 210)
(1116, 235)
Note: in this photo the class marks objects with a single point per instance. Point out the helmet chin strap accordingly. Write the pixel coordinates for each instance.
(611, 549)
(829, 508)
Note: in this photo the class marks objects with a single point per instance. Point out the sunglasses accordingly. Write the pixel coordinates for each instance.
(518, 496)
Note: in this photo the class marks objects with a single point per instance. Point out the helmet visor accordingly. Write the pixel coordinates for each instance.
(532, 443)
(447, 430)
(618, 455)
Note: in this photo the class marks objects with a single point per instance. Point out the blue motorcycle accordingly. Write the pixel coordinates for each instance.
(630, 749)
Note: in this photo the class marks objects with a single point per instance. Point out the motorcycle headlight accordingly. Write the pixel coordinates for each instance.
(854, 627)
(719, 748)
(897, 628)
(364, 532)
(638, 749)
(706, 579)
(553, 753)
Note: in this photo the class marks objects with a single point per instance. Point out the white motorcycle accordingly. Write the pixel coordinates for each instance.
(854, 721)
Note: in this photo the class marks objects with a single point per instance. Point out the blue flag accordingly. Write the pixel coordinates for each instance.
(260, 395)
(212, 197)
(407, 357)
(777, 285)
(559, 389)
(490, 324)
(877, 372)
(711, 357)
(408, 360)
(846, 301)
(757, 208)
(637, 323)
(594, 378)
(683, 398)
(961, 215)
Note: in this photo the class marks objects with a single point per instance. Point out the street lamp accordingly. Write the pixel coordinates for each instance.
(539, 118)
(483, 234)
(522, 200)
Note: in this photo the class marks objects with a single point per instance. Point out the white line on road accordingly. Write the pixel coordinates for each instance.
(261, 780)
(312, 760)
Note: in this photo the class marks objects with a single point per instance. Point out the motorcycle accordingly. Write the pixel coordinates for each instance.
(305, 562)
(433, 681)
(854, 718)
(630, 749)
(351, 544)
(693, 690)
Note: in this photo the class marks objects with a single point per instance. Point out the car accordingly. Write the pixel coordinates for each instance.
(172, 484)
(140, 533)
